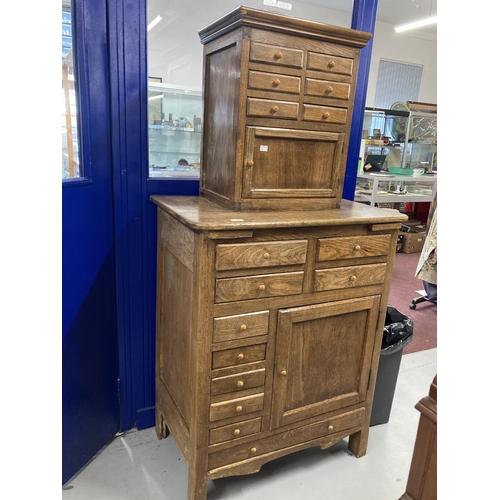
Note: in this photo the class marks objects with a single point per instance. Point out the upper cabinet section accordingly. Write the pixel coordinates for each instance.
(174, 129)
(278, 97)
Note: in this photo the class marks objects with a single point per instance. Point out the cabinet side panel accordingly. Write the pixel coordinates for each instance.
(222, 78)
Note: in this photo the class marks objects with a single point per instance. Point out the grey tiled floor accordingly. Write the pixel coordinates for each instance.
(138, 466)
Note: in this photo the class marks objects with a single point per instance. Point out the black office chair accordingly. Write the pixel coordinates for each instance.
(430, 295)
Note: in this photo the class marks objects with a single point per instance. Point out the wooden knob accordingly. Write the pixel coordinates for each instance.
(239, 408)
(357, 248)
(250, 163)
(331, 64)
(283, 372)
(276, 82)
(274, 109)
(236, 432)
(278, 55)
(243, 327)
(253, 450)
(240, 355)
(240, 383)
(330, 427)
(325, 115)
(329, 90)
(265, 255)
(353, 278)
(262, 287)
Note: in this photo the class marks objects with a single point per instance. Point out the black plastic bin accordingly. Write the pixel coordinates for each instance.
(398, 332)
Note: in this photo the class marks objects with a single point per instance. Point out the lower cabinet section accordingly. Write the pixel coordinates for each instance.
(268, 337)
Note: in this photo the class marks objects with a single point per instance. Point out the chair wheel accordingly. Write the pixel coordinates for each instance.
(413, 306)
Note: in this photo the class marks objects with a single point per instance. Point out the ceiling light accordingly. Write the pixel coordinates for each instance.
(416, 24)
(155, 97)
(154, 22)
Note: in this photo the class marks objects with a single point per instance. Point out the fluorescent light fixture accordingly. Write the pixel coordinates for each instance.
(154, 22)
(417, 24)
(155, 97)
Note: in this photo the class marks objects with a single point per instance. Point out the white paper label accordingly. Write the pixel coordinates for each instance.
(263, 148)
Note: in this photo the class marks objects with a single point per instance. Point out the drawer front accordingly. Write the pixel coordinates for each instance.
(348, 277)
(249, 255)
(257, 287)
(281, 440)
(272, 109)
(240, 326)
(324, 114)
(238, 356)
(329, 64)
(236, 407)
(238, 382)
(273, 81)
(234, 431)
(353, 247)
(274, 54)
(324, 88)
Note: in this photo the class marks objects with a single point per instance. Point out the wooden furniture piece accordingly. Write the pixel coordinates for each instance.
(422, 481)
(269, 326)
(278, 97)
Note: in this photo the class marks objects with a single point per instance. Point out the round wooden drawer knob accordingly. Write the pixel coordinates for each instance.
(240, 356)
(239, 408)
(325, 115)
(254, 450)
(236, 432)
(353, 278)
(276, 82)
(278, 55)
(331, 64)
(283, 373)
(265, 255)
(274, 109)
(250, 163)
(330, 427)
(357, 248)
(262, 287)
(243, 327)
(329, 90)
(240, 383)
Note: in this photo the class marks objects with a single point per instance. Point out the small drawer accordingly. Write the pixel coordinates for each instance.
(234, 431)
(349, 277)
(353, 247)
(273, 54)
(329, 64)
(324, 88)
(238, 356)
(257, 287)
(236, 407)
(240, 326)
(265, 254)
(237, 382)
(272, 109)
(273, 81)
(324, 114)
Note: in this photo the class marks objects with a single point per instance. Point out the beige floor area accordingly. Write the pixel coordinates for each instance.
(138, 466)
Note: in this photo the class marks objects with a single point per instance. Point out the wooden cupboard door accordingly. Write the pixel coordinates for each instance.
(281, 163)
(323, 358)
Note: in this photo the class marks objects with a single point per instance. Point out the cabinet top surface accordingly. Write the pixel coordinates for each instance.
(247, 16)
(198, 213)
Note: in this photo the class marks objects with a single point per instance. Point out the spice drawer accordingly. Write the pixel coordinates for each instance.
(330, 64)
(326, 88)
(325, 114)
(353, 246)
(238, 356)
(240, 326)
(234, 431)
(238, 382)
(277, 55)
(348, 277)
(260, 80)
(272, 109)
(236, 407)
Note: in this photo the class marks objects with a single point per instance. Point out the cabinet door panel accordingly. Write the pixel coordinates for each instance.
(323, 358)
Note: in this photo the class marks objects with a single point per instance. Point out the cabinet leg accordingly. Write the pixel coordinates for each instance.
(197, 486)
(358, 443)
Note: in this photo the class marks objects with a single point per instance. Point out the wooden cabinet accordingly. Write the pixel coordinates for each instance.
(278, 96)
(269, 328)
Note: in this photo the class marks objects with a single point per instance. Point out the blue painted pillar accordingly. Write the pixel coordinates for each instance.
(363, 19)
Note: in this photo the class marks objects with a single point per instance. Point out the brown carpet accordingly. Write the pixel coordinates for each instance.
(403, 289)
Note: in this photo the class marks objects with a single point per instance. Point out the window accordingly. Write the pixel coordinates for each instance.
(70, 143)
(397, 81)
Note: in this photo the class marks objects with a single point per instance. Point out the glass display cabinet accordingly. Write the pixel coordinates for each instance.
(174, 129)
(421, 146)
